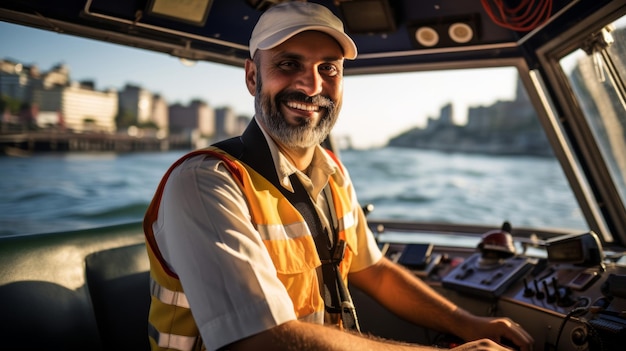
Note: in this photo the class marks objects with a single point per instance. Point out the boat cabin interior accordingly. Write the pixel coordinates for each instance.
(89, 290)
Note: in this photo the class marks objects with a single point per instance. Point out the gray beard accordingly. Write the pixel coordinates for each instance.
(305, 134)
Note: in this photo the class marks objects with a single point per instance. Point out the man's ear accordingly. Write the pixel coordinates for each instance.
(251, 74)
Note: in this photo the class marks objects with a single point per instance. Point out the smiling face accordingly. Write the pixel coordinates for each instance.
(298, 87)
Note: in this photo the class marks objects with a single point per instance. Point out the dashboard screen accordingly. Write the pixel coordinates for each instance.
(568, 251)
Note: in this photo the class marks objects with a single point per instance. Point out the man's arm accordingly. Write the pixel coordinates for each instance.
(300, 336)
(410, 298)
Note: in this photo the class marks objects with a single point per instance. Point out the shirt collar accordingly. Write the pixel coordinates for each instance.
(322, 167)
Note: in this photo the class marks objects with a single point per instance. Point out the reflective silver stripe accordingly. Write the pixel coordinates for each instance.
(283, 232)
(172, 341)
(315, 317)
(347, 221)
(167, 296)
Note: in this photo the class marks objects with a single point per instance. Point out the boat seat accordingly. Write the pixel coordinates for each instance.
(80, 290)
(119, 284)
(89, 290)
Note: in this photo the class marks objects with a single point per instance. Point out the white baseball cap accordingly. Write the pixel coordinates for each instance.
(283, 21)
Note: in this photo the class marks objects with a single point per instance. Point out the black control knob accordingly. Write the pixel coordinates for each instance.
(562, 294)
(528, 292)
(540, 294)
(550, 298)
(565, 298)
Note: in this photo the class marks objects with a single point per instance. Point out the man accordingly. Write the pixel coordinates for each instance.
(238, 263)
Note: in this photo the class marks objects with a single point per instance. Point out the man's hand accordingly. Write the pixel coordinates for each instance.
(480, 345)
(498, 330)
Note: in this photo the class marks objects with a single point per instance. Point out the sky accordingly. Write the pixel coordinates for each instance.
(375, 107)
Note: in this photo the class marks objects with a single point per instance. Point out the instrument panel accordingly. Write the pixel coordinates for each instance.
(569, 297)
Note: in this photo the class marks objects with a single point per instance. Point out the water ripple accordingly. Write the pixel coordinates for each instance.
(55, 192)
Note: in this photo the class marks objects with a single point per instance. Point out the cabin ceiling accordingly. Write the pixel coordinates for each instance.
(223, 32)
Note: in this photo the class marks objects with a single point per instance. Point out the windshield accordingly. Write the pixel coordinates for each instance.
(453, 146)
(456, 146)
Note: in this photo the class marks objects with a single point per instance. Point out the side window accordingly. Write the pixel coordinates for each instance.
(597, 74)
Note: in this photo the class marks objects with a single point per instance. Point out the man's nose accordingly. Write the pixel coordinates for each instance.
(310, 81)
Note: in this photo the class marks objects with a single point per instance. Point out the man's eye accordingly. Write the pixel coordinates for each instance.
(288, 65)
(330, 70)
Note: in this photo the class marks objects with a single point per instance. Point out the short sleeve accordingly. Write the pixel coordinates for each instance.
(206, 236)
(367, 248)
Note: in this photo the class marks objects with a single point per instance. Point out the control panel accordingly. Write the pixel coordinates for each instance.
(571, 287)
(484, 277)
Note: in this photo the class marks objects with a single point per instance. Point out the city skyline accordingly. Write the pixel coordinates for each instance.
(374, 109)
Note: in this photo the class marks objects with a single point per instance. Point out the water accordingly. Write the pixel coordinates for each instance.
(57, 192)
(420, 185)
(54, 192)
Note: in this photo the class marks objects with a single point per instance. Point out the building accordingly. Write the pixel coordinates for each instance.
(50, 100)
(15, 80)
(79, 108)
(141, 108)
(160, 116)
(242, 123)
(488, 130)
(198, 118)
(225, 123)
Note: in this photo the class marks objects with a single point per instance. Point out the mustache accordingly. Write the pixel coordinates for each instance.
(319, 100)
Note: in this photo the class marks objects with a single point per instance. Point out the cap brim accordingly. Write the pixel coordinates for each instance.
(348, 46)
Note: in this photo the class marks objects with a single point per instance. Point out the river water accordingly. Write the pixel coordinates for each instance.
(65, 191)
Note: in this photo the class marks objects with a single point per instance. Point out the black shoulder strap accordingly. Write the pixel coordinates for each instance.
(259, 158)
(251, 148)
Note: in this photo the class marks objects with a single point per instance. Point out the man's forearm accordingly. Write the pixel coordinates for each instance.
(409, 297)
(299, 336)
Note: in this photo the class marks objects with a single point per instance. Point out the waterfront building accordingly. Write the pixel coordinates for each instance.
(141, 108)
(16, 80)
(161, 115)
(198, 118)
(241, 124)
(488, 130)
(58, 76)
(51, 100)
(225, 123)
(79, 107)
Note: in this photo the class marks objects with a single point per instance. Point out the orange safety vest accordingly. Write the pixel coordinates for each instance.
(283, 231)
